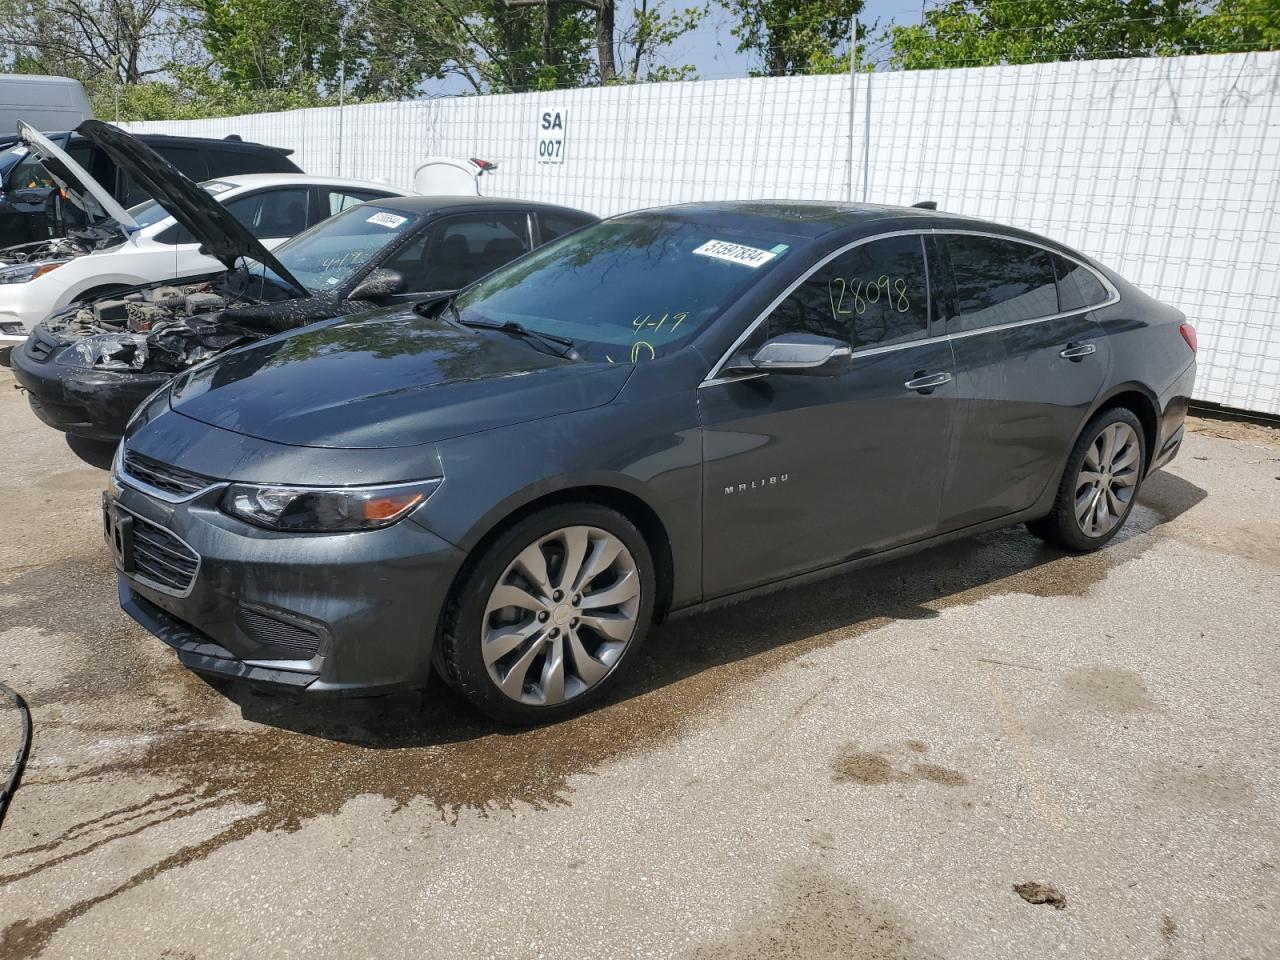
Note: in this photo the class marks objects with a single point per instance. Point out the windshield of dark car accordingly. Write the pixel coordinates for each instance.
(330, 253)
(627, 289)
(21, 169)
(10, 157)
(149, 212)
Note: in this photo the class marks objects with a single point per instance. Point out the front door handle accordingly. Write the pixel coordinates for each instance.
(1078, 351)
(926, 382)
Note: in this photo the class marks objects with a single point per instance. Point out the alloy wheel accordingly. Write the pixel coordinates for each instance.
(1108, 479)
(561, 615)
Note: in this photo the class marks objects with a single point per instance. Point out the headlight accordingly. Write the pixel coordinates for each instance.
(109, 351)
(325, 510)
(29, 271)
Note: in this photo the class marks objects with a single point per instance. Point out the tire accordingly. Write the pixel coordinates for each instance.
(1099, 485)
(550, 652)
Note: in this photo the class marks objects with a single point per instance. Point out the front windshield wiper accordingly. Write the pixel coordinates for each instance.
(560, 346)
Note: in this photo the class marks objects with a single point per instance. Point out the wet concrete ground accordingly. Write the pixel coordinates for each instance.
(865, 768)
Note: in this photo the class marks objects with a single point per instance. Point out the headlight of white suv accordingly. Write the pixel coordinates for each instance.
(29, 271)
(325, 509)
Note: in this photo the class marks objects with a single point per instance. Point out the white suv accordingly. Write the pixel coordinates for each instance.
(145, 244)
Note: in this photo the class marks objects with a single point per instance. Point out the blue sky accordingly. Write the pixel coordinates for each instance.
(712, 49)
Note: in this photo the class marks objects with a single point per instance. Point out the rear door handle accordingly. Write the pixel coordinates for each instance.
(1078, 351)
(925, 382)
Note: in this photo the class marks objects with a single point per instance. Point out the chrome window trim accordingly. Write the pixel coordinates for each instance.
(714, 377)
(147, 581)
(1113, 295)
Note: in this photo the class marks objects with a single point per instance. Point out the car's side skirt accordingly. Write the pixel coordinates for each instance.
(856, 563)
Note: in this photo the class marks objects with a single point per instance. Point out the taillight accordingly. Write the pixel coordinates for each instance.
(1188, 334)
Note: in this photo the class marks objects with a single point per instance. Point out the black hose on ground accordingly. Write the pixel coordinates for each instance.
(20, 759)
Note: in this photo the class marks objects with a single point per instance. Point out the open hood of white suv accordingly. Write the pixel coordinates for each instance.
(81, 188)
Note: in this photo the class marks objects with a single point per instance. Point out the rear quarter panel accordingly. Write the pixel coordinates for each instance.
(1148, 355)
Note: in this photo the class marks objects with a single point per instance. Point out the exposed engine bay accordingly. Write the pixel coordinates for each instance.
(167, 328)
(77, 243)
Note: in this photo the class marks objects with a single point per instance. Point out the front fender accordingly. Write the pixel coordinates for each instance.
(490, 477)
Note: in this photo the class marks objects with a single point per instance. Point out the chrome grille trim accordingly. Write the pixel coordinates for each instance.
(162, 481)
(162, 560)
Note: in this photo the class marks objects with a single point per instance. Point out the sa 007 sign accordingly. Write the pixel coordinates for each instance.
(551, 135)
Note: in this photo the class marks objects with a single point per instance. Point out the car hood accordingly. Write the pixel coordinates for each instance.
(387, 380)
(85, 191)
(221, 234)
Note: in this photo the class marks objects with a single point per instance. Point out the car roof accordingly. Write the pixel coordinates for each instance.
(812, 220)
(230, 143)
(443, 204)
(796, 218)
(246, 180)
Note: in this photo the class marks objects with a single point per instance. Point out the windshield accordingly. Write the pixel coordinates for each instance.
(624, 290)
(149, 212)
(9, 157)
(20, 169)
(330, 253)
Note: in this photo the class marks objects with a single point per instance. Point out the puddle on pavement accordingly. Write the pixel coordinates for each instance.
(816, 915)
(300, 760)
(873, 768)
(1108, 690)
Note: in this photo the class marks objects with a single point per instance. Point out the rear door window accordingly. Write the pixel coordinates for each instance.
(191, 163)
(228, 163)
(1000, 281)
(463, 249)
(873, 295)
(275, 213)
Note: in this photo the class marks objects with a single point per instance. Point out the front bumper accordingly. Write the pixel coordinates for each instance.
(95, 404)
(369, 601)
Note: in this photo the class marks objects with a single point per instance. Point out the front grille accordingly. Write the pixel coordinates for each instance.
(161, 558)
(153, 473)
(269, 631)
(41, 344)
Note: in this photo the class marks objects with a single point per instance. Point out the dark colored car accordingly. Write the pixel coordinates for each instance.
(88, 367)
(29, 207)
(664, 409)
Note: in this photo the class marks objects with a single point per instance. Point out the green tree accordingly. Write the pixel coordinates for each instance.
(985, 32)
(1234, 25)
(795, 36)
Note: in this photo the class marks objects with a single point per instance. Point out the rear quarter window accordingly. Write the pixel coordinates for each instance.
(552, 226)
(1078, 286)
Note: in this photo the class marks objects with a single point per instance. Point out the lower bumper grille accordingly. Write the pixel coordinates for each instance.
(294, 639)
(162, 558)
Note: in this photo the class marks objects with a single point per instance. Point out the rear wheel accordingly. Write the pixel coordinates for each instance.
(545, 621)
(1099, 485)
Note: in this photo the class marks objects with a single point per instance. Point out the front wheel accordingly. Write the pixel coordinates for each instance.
(1099, 485)
(548, 617)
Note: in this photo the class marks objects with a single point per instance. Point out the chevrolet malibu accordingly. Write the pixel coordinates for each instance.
(664, 409)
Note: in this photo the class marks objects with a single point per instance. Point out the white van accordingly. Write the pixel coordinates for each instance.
(47, 103)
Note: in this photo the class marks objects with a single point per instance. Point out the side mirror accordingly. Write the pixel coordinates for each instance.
(799, 354)
(378, 285)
